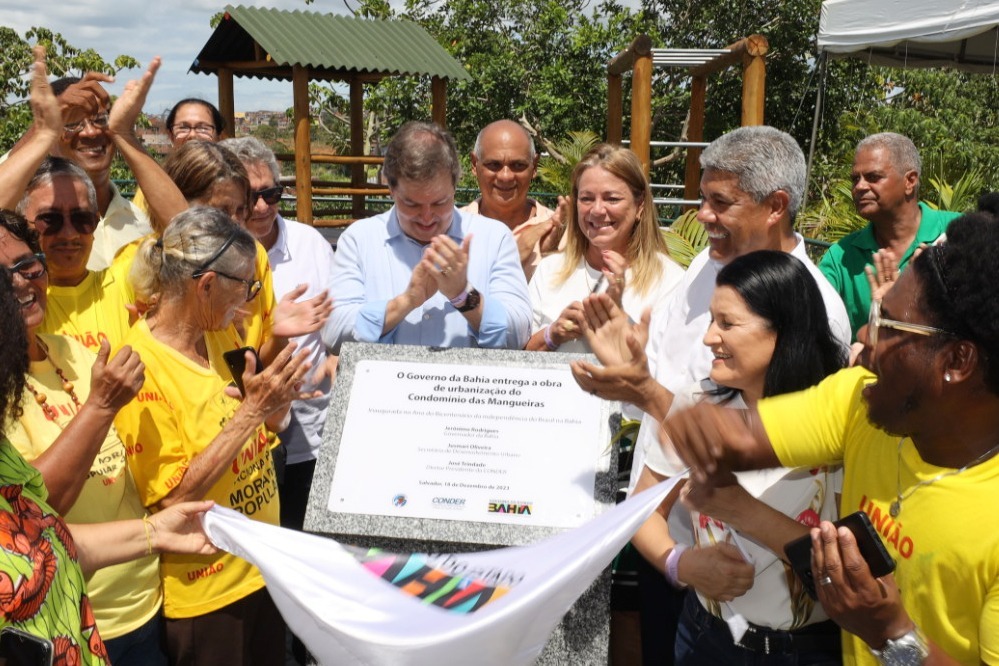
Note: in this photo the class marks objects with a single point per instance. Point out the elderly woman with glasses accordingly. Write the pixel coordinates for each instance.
(189, 438)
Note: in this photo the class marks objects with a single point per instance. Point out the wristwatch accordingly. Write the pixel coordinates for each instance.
(467, 300)
(910, 649)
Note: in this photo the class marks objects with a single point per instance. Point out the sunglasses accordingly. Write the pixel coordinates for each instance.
(31, 267)
(51, 223)
(271, 195)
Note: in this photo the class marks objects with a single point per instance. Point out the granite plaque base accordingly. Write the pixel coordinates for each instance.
(583, 635)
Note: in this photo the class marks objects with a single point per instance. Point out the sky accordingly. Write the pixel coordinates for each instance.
(173, 29)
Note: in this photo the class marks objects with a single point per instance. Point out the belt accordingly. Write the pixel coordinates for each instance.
(818, 637)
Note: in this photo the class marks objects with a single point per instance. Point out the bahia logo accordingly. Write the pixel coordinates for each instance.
(448, 502)
(515, 508)
(399, 501)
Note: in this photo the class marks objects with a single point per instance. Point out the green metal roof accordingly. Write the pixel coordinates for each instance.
(335, 44)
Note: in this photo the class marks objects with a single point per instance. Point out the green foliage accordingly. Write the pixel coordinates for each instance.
(685, 238)
(960, 197)
(62, 59)
(555, 169)
(833, 216)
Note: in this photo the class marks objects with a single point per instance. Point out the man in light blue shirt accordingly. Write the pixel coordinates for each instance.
(424, 273)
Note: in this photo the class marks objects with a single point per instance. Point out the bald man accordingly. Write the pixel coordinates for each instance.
(505, 162)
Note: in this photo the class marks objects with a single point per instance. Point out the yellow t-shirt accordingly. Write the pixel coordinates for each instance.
(946, 539)
(124, 596)
(90, 311)
(257, 326)
(180, 409)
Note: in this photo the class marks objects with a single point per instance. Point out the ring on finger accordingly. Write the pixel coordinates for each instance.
(825, 580)
(619, 280)
(445, 270)
(569, 326)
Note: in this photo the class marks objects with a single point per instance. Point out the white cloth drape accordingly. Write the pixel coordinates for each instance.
(338, 601)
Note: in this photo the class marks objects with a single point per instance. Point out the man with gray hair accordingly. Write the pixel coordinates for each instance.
(505, 162)
(885, 176)
(752, 183)
(415, 275)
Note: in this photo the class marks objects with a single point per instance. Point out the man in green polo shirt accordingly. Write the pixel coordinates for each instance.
(885, 176)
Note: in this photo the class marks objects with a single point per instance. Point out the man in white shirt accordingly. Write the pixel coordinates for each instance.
(752, 184)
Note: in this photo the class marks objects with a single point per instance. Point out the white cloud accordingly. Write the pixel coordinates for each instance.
(173, 29)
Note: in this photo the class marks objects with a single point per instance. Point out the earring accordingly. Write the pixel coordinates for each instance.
(946, 376)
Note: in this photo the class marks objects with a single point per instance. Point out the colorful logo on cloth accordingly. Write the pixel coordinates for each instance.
(417, 575)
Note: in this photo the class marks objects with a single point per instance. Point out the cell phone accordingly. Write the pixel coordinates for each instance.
(236, 360)
(799, 551)
(19, 648)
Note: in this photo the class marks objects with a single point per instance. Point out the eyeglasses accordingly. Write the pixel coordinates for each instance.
(184, 130)
(874, 322)
(51, 222)
(31, 267)
(271, 195)
(253, 287)
(100, 121)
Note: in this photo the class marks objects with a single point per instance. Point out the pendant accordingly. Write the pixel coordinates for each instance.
(895, 509)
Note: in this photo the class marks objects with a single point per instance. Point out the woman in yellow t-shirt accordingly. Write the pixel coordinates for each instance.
(48, 569)
(187, 437)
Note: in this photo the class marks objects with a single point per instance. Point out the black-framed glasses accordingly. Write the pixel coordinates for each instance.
(184, 130)
(875, 321)
(51, 222)
(31, 267)
(100, 121)
(252, 286)
(270, 195)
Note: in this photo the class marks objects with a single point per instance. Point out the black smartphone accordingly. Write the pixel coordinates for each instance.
(799, 551)
(236, 360)
(19, 648)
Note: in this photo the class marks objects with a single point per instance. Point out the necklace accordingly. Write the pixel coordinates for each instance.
(896, 506)
(67, 386)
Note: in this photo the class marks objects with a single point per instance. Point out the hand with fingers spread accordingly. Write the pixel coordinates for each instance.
(882, 276)
(85, 98)
(620, 346)
(528, 237)
(868, 607)
(293, 318)
(550, 241)
(450, 264)
(278, 384)
(115, 382)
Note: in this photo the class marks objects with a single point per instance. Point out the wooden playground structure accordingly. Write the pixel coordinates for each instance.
(641, 59)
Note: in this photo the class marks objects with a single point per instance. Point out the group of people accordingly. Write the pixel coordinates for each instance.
(127, 319)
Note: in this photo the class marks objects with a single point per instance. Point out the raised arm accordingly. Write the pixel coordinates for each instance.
(165, 199)
(19, 167)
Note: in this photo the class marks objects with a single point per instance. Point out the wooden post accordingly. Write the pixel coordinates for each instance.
(227, 102)
(641, 104)
(303, 144)
(695, 132)
(358, 204)
(438, 93)
(615, 109)
(754, 80)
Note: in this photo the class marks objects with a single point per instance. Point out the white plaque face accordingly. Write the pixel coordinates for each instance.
(501, 444)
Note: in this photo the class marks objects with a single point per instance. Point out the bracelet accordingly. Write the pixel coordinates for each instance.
(147, 523)
(672, 562)
(462, 297)
(548, 339)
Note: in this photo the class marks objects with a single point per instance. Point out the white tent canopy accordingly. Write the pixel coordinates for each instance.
(913, 33)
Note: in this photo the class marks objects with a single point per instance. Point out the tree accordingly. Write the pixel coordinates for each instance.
(62, 59)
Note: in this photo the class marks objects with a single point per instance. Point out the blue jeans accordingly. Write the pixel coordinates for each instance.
(141, 647)
(703, 639)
